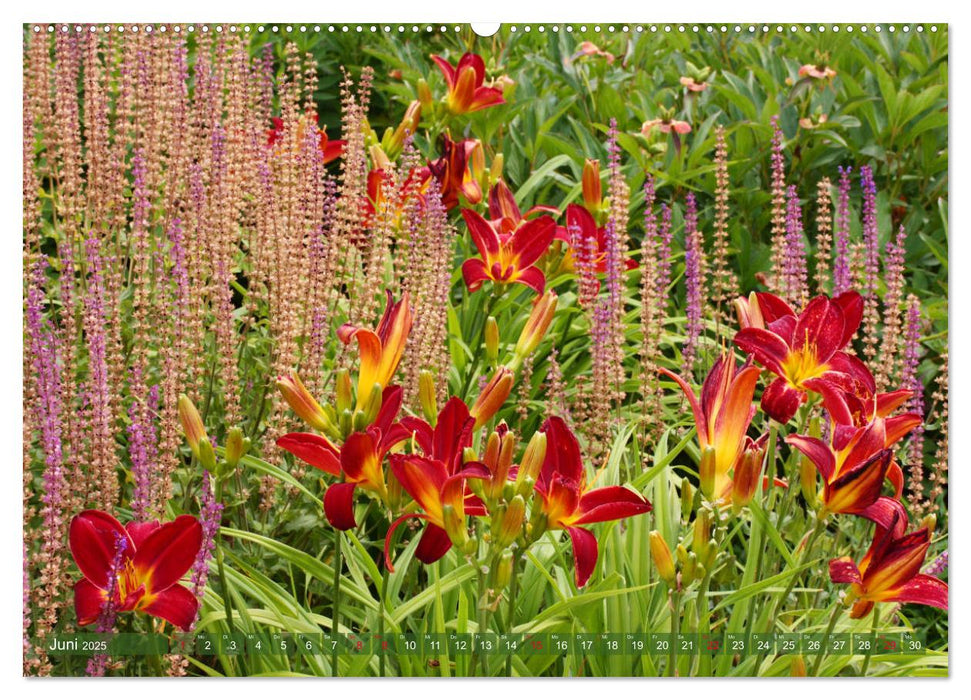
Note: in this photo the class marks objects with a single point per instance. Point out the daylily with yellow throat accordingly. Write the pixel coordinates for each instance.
(466, 89)
(507, 258)
(805, 351)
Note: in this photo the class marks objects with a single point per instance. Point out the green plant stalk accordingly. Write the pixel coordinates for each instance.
(837, 609)
(820, 526)
(477, 351)
(511, 612)
(873, 630)
(384, 611)
(336, 605)
(675, 620)
(223, 583)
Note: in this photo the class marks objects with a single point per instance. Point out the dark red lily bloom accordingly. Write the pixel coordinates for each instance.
(359, 460)
(805, 352)
(507, 258)
(146, 560)
(466, 91)
(450, 436)
(457, 171)
(330, 150)
(586, 241)
(568, 503)
(505, 213)
(890, 570)
(444, 500)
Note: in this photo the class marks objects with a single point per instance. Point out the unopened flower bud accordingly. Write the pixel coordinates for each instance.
(930, 522)
(425, 95)
(302, 403)
(495, 170)
(797, 669)
(394, 141)
(531, 463)
(236, 447)
(687, 498)
(492, 340)
(366, 416)
(540, 318)
(661, 554)
(748, 312)
(701, 533)
(748, 473)
(207, 456)
(345, 390)
(592, 190)
(191, 421)
(511, 524)
(455, 526)
(501, 574)
(426, 396)
(492, 397)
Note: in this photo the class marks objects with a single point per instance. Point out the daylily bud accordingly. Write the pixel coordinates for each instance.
(930, 522)
(346, 422)
(748, 471)
(538, 522)
(661, 554)
(426, 396)
(395, 492)
(455, 526)
(748, 312)
(592, 190)
(537, 324)
(477, 164)
(689, 571)
(207, 456)
(531, 463)
(345, 390)
(191, 421)
(492, 397)
(706, 472)
(425, 95)
(236, 447)
(701, 534)
(501, 574)
(687, 498)
(495, 170)
(511, 523)
(807, 480)
(364, 418)
(379, 159)
(492, 340)
(302, 403)
(408, 126)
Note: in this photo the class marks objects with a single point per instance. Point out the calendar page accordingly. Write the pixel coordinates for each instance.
(447, 350)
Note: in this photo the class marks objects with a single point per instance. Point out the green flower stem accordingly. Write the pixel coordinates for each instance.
(336, 605)
(223, 583)
(675, 623)
(820, 526)
(511, 612)
(837, 609)
(873, 630)
(477, 349)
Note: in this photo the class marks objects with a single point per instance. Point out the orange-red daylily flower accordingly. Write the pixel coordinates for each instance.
(567, 502)
(359, 460)
(146, 561)
(444, 500)
(890, 570)
(466, 92)
(722, 415)
(591, 187)
(508, 258)
(585, 239)
(457, 171)
(380, 349)
(330, 149)
(805, 352)
(504, 212)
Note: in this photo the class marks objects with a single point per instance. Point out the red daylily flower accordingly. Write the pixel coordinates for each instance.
(504, 212)
(722, 415)
(457, 171)
(568, 503)
(507, 258)
(429, 482)
(890, 570)
(450, 436)
(666, 126)
(146, 559)
(466, 91)
(805, 351)
(359, 460)
(380, 349)
(585, 240)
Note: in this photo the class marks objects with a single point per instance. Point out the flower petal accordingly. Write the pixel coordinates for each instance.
(851, 304)
(610, 503)
(483, 235)
(923, 589)
(359, 459)
(453, 433)
(423, 479)
(818, 452)
(446, 69)
(485, 97)
(474, 272)
(93, 536)
(339, 505)
(584, 554)
(780, 401)
(562, 453)
(844, 570)
(176, 605)
(768, 348)
(820, 326)
(140, 531)
(531, 240)
(433, 545)
(315, 450)
(88, 599)
(533, 278)
(168, 553)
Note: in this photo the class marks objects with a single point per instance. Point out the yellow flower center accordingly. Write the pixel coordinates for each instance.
(802, 365)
